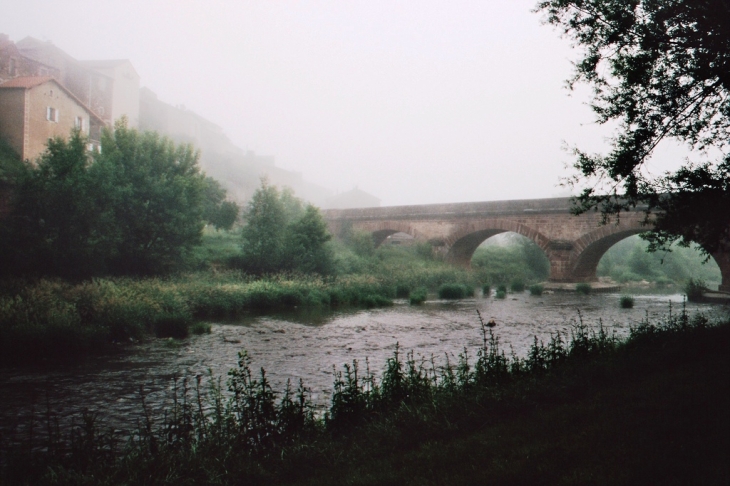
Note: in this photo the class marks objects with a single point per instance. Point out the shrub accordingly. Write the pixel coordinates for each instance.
(694, 288)
(517, 286)
(455, 291)
(502, 288)
(174, 326)
(486, 290)
(418, 296)
(198, 328)
(536, 289)
(583, 288)
(501, 294)
(626, 302)
(402, 291)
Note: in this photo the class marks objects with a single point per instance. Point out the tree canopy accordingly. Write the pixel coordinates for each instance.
(282, 234)
(661, 69)
(135, 208)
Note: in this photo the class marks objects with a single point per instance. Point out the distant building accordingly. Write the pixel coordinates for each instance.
(13, 64)
(124, 89)
(109, 88)
(355, 198)
(36, 108)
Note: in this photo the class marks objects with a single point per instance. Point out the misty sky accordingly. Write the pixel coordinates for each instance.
(414, 102)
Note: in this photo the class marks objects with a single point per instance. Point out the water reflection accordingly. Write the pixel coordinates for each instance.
(307, 345)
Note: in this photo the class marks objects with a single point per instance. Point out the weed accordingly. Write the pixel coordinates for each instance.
(455, 291)
(517, 286)
(198, 328)
(536, 289)
(694, 289)
(583, 288)
(626, 302)
(418, 296)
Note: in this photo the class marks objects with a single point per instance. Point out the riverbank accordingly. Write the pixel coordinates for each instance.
(590, 411)
(54, 320)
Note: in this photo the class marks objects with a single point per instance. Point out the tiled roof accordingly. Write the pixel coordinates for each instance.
(26, 82)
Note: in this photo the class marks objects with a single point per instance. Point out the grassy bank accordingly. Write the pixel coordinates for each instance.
(593, 410)
(56, 320)
(59, 320)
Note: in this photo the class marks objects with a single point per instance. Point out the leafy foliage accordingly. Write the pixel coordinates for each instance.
(217, 211)
(520, 260)
(659, 68)
(628, 261)
(135, 208)
(282, 235)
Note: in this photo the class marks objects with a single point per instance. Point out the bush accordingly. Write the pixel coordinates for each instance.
(455, 291)
(536, 289)
(200, 328)
(517, 286)
(418, 296)
(501, 294)
(583, 288)
(402, 291)
(626, 302)
(694, 288)
(502, 288)
(486, 290)
(172, 326)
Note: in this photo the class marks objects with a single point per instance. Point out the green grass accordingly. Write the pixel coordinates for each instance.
(592, 410)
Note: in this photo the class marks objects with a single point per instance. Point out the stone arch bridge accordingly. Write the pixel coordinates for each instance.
(573, 244)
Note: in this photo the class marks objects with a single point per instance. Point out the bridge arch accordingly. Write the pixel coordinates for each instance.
(588, 250)
(380, 230)
(463, 242)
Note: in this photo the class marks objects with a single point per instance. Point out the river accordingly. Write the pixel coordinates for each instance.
(307, 345)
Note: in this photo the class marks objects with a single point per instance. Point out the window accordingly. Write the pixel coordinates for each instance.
(52, 114)
(79, 123)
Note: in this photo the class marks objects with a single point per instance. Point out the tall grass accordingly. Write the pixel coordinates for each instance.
(53, 319)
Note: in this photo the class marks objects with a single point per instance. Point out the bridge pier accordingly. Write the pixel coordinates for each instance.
(723, 261)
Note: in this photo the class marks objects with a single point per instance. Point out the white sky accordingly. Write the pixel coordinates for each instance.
(415, 102)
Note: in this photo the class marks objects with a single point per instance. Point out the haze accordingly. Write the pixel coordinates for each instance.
(413, 102)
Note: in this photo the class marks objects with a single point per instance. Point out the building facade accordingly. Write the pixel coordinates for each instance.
(36, 108)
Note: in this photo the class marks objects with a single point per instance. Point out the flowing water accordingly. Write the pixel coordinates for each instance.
(306, 345)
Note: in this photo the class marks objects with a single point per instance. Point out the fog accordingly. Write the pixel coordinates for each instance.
(413, 102)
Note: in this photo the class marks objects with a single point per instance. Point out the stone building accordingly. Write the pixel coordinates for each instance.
(36, 108)
(14, 64)
(109, 88)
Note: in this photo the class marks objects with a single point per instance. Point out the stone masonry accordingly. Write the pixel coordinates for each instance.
(573, 244)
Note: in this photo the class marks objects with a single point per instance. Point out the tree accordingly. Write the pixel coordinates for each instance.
(55, 224)
(156, 193)
(217, 211)
(306, 243)
(282, 235)
(136, 208)
(661, 69)
(264, 232)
